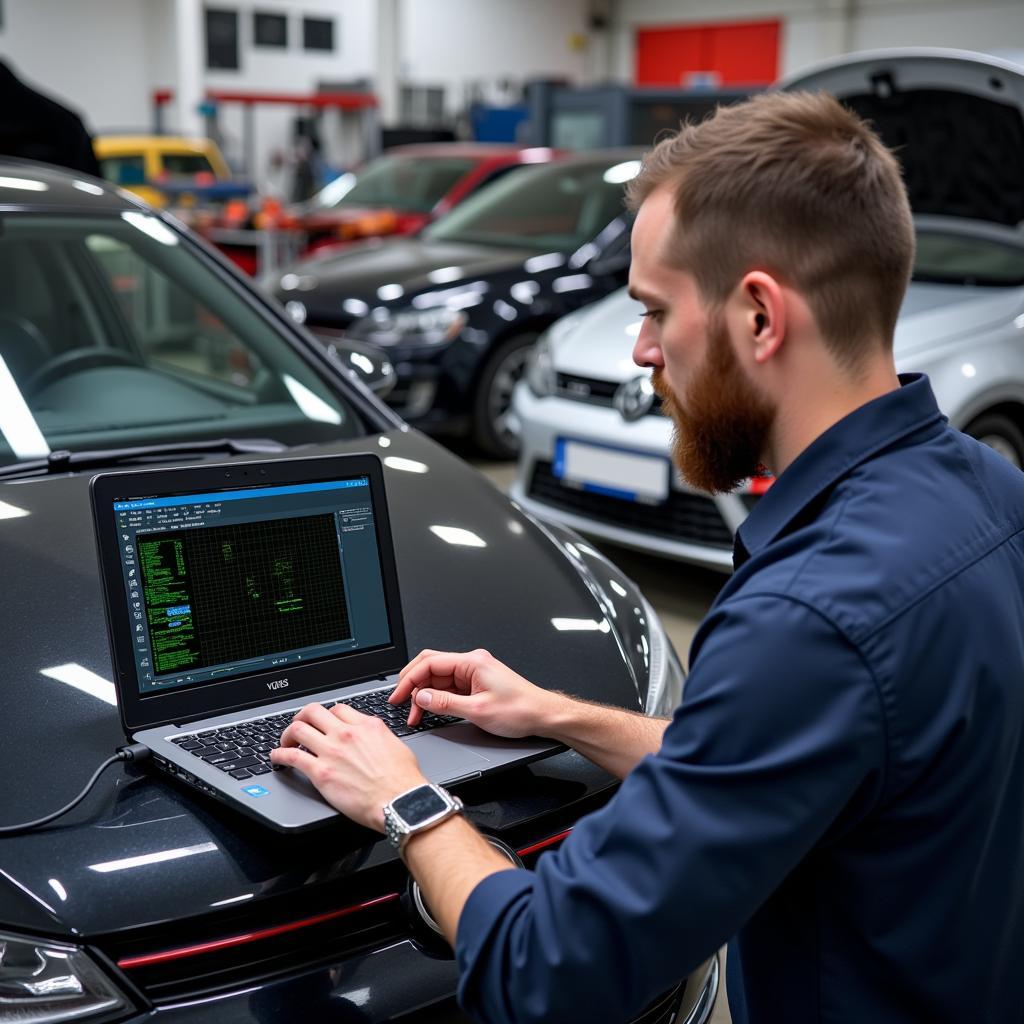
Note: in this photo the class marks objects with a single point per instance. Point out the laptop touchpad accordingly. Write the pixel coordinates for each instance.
(441, 759)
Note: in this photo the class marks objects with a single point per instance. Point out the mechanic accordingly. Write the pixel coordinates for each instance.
(840, 791)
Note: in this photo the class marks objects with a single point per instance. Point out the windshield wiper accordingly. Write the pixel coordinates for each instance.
(68, 462)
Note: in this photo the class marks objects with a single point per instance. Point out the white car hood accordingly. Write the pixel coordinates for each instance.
(597, 342)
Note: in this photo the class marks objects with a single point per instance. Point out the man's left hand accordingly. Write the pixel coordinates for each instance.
(354, 760)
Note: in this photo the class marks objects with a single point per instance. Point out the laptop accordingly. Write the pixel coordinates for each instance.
(237, 594)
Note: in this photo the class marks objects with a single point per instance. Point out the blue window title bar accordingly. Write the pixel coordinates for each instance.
(255, 492)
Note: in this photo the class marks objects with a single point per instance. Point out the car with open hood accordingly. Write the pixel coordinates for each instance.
(126, 342)
(458, 307)
(594, 445)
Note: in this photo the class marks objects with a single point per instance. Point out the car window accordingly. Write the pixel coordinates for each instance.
(114, 331)
(184, 165)
(549, 207)
(405, 182)
(124, 170)
(955, 258)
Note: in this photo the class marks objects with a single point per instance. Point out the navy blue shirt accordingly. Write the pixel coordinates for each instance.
(842, 789)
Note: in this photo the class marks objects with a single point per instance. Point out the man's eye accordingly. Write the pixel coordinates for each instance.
(654, 314)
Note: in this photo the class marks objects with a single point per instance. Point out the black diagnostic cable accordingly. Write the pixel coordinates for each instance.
(130, 752)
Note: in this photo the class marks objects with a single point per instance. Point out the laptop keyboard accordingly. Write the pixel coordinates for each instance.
(243, 750)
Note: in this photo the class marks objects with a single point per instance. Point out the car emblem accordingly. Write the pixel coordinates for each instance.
(634, 398)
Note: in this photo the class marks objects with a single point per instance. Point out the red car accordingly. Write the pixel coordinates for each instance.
(405, 188)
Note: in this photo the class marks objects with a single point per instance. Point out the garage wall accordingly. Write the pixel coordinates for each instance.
(90, 55)
(813, 30)
(450, 42)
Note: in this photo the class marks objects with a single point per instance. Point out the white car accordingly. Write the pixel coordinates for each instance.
(594, 445)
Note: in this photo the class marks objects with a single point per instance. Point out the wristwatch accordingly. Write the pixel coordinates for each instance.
(416, 810)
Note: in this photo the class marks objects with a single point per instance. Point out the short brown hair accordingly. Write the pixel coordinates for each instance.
(795, 184)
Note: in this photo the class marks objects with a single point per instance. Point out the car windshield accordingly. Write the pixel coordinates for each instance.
(114, 331)
(185, 165)
(544, 207)
(952, 257)
(415, 183)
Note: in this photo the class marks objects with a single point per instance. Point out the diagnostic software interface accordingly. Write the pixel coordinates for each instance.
(233, 582)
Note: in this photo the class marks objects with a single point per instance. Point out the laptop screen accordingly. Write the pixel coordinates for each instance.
(238, 581)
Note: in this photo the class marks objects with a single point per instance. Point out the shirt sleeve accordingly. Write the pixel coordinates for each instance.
(779, 739)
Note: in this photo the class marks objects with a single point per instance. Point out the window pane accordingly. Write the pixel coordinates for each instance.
(270, 29)
(318, 33)
(222, 39)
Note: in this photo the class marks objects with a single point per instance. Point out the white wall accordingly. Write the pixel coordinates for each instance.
(450, 42)
(90, 55)
(813, 30)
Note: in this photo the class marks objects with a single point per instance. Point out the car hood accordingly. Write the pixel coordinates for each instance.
(382, 271)
(141, 850)
(954, 117)
(597, 341)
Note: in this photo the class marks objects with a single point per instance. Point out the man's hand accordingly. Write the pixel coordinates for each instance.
(354, 760)
(479, 688)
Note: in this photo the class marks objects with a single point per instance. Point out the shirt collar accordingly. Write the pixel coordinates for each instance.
(855, 438)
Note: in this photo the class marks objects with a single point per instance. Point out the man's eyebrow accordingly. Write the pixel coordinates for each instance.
(639, 296)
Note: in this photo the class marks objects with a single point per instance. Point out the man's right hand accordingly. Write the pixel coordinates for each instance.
(479, 688)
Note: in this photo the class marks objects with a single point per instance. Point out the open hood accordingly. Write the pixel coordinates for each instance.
(953, 117)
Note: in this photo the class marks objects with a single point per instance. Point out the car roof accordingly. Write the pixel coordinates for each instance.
(32, 186)
(108, 145)
(479, 150)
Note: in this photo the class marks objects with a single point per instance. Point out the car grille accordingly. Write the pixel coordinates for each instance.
(686, 517)
(593, 391)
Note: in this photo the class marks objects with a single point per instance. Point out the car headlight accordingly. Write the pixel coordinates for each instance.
(426, 327)
(665, 675)
(540, 368)
(43, 982)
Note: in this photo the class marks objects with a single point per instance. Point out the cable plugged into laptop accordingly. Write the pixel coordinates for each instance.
(129, 753)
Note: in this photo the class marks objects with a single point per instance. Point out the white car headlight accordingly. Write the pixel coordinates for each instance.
(43, 982)
(540, 368)
(437, 326)
(665, 675)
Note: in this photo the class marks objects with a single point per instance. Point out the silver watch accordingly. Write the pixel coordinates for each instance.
(417, 809)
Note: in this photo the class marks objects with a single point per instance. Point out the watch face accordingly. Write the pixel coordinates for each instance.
(419, 805)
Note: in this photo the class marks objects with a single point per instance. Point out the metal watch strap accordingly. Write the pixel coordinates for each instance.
(398, 832)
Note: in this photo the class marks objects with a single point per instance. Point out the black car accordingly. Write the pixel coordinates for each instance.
(124, 341)
(458, 306)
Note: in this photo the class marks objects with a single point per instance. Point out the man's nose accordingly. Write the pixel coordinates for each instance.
(646, 351)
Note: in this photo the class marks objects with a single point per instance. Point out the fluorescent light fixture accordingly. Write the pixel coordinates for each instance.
(11, 511)
(312, 406)
(296, 310)
(582, 625)
(406, 465)
(25, 184)
(151, 226)
(146, 859)
(459, 536)
(621, 173)
(504, 310)
(289, 282)
(524, 291)
(59, 889)
(968, 370)
(81, 678)
(17, 423)
(356, 307)
(387, 292)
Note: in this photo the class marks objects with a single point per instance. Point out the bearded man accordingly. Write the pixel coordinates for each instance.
(839, 793)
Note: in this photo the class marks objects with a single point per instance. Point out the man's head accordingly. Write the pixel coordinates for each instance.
(779, 221)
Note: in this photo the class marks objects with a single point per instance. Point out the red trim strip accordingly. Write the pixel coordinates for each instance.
(199, 949)
(544, 843)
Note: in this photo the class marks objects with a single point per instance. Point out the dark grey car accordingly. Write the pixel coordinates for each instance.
(123, 341)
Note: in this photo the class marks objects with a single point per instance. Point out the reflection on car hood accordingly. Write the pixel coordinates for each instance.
(360, 270)
(954, 117)
(142, 850)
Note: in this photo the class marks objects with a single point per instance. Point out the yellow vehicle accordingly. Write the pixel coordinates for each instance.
(161, 168)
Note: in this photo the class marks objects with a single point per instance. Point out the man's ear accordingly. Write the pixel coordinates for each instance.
(763, 311)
